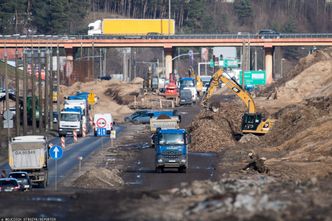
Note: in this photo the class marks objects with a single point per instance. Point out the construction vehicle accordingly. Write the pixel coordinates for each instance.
(30, 154)
(189, 83)
(132, 27)
(171, 149)
(252, 121)
(198, 81)
(171, 89)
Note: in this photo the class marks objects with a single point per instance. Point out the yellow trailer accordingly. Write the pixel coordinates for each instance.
(132, 27)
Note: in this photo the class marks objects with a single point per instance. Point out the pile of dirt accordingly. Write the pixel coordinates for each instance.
(212, 131)
(310, 77)
(99, 178)
(114, 96)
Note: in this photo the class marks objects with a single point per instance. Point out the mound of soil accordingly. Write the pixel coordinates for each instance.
(211, 132)
(99, 178)
(311, 77)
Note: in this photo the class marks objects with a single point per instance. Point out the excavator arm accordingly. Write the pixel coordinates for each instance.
(252, 122)
(233, 86)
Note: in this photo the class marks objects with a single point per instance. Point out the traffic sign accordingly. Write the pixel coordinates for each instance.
(101, 122)
(56, 152)
(253, 77)
(113, 134)
(8, 115)
(8, 124)
(101, 132)
(229, 63)
(91, 98)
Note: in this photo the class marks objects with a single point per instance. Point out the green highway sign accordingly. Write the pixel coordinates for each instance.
(253, 77)
(229, 63)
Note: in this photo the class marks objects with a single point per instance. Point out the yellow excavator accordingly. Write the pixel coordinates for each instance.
(252, 122)
(199, 82)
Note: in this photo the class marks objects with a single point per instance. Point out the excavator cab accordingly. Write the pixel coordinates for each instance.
(255, 123)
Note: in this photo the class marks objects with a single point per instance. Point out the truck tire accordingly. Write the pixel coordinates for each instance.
(182, 170)
(159, 169)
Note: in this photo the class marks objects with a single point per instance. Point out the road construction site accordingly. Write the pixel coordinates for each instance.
(118, 181)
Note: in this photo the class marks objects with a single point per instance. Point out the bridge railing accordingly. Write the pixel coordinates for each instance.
(177, 36)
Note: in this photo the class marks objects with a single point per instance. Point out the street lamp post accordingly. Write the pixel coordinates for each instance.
(281, 67)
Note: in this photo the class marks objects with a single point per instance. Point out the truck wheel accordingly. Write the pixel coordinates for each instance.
(159, 169)
(182, 169)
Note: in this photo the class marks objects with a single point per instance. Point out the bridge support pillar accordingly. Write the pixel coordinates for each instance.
(268, 64)
(69, 64)
(168, 51)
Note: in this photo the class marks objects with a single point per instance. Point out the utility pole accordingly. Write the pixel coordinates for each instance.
(58, 84)
(93, 61)
(33, 99)
(51, 80)
(46, 97)
(40, 94)
(7, 92)
(25, 88)
(17, 95)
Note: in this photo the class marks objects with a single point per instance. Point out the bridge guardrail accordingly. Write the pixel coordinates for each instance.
(177, 36)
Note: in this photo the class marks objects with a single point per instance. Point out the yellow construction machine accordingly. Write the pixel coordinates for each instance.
(252, 121)
(199, 82)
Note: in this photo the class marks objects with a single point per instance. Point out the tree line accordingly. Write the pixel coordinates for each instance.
(191, 16)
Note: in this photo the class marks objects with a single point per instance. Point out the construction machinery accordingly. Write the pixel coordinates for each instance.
(171, 89)
(252, 121)
(198, 81)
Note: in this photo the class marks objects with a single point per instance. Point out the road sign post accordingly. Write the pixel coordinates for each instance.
(112, 136)
(56, 153)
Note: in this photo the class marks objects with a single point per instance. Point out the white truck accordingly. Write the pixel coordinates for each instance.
(30, 154)
(70, 120)
(73, 117)
(103, 120)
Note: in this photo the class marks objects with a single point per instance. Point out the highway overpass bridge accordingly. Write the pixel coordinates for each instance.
(169, 43)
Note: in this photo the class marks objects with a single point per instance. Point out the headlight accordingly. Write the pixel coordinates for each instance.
(160, 160)
(183, 160)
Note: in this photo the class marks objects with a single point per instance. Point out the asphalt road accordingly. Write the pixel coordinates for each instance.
(69, 161)
(140, 173)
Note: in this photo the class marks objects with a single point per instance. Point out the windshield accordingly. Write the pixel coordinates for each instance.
(70, 117)
(173, 139)
(17, 175)
(8, 183)
(187, 83)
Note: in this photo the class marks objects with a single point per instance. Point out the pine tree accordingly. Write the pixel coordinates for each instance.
(243, 10)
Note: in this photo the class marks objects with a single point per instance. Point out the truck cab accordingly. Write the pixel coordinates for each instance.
(189, 83)
(171, 149)
(71, 119)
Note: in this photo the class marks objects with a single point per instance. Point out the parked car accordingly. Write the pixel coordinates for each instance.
(22, 178)
(268, 33)
(143, 116)
(10, 185)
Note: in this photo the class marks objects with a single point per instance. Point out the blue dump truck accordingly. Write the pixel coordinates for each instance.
(171, 149)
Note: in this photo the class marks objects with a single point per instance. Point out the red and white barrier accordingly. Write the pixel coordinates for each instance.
(63, 142)
(91, 120)
(84, 131)
(75, 136)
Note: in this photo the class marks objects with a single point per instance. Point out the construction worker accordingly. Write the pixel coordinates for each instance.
(256, 163)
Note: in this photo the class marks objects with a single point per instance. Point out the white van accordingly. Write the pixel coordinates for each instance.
(103, 120)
